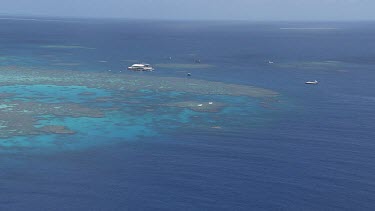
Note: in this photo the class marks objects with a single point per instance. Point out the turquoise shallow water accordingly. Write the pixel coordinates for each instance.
(109, 116)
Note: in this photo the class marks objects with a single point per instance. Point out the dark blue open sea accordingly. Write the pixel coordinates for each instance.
(80, 132)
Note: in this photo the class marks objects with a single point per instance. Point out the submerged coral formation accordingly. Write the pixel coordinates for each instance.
(198, 106)
(21, 118)
(39, 102)
(26, 76)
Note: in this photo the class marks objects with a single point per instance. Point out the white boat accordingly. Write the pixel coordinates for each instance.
(312, 82)
(141, 67)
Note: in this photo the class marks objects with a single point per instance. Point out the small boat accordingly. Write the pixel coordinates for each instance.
(312, 82)
(270, 62)
(141, 67)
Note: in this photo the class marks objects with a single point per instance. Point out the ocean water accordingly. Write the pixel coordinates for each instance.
(80, 132)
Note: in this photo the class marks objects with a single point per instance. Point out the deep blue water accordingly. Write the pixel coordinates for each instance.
(315, 152)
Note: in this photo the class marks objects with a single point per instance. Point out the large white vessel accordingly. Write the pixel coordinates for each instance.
(312, 82)
(141, 67)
